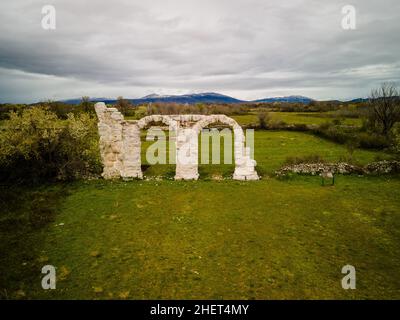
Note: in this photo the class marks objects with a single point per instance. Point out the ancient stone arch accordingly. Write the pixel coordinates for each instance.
(244, 165)
(120, 145)
(142, 123)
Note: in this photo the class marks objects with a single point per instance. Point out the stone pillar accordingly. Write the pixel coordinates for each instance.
(186, 154)
(111, 140)
(238, 143)
(172, 137)
(131, 151)
(244, 165)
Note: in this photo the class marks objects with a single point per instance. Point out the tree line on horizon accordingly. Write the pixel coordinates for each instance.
(60, 141)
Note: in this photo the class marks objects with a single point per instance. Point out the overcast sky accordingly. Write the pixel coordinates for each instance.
(248, 49)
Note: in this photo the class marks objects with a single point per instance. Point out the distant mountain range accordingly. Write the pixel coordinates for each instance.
(289, 99)
(208, 97)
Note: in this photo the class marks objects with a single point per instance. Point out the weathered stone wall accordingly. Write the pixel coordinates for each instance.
(374, 168)
(120, 144)
(111, 140)
(131, 151)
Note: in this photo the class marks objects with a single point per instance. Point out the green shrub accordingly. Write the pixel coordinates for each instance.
(324, 126)
(337, 134)
(62, 109)
(299, 127)
(79, 148)
(277, 125)
(125, 107)
(36, 145)
(337, 122)
(351, 136)
(396, 141)
(371, 140)
(263, 119)
(7, 108)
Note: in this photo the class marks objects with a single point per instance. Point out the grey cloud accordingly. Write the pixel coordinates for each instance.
(246, 48)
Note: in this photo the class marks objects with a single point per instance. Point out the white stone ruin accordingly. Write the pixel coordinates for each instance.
(120, 144)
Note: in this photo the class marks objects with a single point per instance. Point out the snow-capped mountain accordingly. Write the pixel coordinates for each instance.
(290, 99)
(206, 97)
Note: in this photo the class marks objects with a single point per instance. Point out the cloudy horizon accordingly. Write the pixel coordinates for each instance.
(245, 49)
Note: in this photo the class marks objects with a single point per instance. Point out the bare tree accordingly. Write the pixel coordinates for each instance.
(123, 105)
(384, 107)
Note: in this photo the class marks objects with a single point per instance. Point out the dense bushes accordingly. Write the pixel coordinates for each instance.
(265, 122)
(299, 127)
(314, 106)
(125, 107)
(61, 109)
(333, 133)
(7, 108)
(263, 119)
(36, 145)
(352, 135)
(371, 140)
(199, 108)
(396, 141)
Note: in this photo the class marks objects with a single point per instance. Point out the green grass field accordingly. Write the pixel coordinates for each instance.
(289, 118)
(295, 118)
(268, 239)
(271, 150)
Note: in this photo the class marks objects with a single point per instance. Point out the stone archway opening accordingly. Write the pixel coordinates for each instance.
(216, 151)
(244, 165)
(157, 146)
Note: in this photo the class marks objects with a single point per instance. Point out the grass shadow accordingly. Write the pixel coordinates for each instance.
(25, 215)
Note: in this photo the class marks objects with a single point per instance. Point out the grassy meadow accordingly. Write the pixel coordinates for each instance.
(218, 240)
(208, 239)
(309, 118)
(271, 150)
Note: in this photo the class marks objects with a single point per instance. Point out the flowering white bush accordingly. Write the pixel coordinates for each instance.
(36, 144)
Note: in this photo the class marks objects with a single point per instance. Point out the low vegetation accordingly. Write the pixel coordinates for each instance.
(36, 145)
